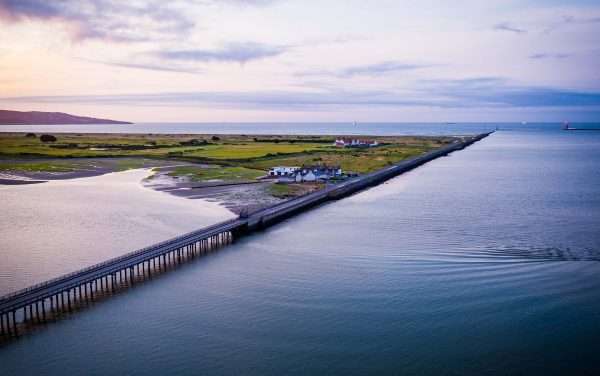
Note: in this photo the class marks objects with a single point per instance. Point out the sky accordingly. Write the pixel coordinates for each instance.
(303, 60)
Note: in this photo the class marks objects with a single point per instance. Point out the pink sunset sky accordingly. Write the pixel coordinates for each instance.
(292, 60)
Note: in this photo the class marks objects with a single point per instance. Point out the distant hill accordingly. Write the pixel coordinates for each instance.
(39, 117)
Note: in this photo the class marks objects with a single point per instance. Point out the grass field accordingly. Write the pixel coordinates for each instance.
(215, 173)
(242, 156)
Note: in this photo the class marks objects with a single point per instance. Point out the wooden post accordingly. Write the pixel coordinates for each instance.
(14, 321)
(43, 310)
(8, 324)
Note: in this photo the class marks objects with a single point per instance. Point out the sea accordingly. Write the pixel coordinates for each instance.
(483, 262)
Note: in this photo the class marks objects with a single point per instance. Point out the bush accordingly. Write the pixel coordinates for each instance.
(193, 142)
(215, 138)
(47, 138)
(30, 135)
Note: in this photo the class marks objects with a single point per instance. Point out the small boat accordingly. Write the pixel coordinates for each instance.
(569, 128)
(354, 123)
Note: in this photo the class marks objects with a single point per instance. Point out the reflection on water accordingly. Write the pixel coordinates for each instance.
(483, 262)
(60, 226)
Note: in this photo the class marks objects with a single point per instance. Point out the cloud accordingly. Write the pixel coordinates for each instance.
(379, 69)
(495, 92)
(110, 20)
(145, 66)
(366, 70)
(549, 56)
(505, 26)
(484, 92)
(238, 52)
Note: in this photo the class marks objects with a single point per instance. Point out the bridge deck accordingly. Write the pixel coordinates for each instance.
(52, 287)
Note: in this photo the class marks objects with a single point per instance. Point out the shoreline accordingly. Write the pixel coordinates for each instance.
(235, 196)
(230, 169)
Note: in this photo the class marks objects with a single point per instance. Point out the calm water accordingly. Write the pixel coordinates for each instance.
(483, 262)
(57, 227)
(290, 128)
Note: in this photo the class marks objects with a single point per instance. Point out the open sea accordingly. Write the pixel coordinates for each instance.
(484, 262)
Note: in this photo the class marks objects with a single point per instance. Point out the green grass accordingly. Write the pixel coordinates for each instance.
(232, 151)
(285, 191)
(216, 173)
(251, 150)
(39, 167)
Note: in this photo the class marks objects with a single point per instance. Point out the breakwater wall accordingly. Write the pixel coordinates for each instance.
(271, 215)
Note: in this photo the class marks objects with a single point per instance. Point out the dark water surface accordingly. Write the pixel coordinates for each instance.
(292, 128)
(482, 262)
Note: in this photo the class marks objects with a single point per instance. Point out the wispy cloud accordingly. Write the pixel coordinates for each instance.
(110, 20)
(484, 92)
(377, 69)
(549, 56)
(238, 52)
(496, 92)
(506, 26)
(145, 66)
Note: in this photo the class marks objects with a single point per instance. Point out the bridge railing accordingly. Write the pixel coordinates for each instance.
(117, 259)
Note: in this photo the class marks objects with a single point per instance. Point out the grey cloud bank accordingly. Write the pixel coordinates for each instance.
(239, 52)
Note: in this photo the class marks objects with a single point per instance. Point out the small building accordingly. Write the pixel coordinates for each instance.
(283, 171)
(311, 176)
(330, 171)
(355, 143)
(287, 179)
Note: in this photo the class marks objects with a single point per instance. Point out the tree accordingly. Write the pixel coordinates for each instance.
(47, 138)
(215, 138)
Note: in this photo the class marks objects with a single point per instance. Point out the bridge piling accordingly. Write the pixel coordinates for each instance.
(14, 317)
(7, 330)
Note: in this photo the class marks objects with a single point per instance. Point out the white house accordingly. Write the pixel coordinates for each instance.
(355, 142)
(330, 171)
(311, 176)
(283, 171)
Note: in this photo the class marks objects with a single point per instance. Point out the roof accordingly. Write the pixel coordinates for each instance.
(320, 167)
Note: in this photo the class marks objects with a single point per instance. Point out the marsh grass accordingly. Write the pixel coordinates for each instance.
(241, 156)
